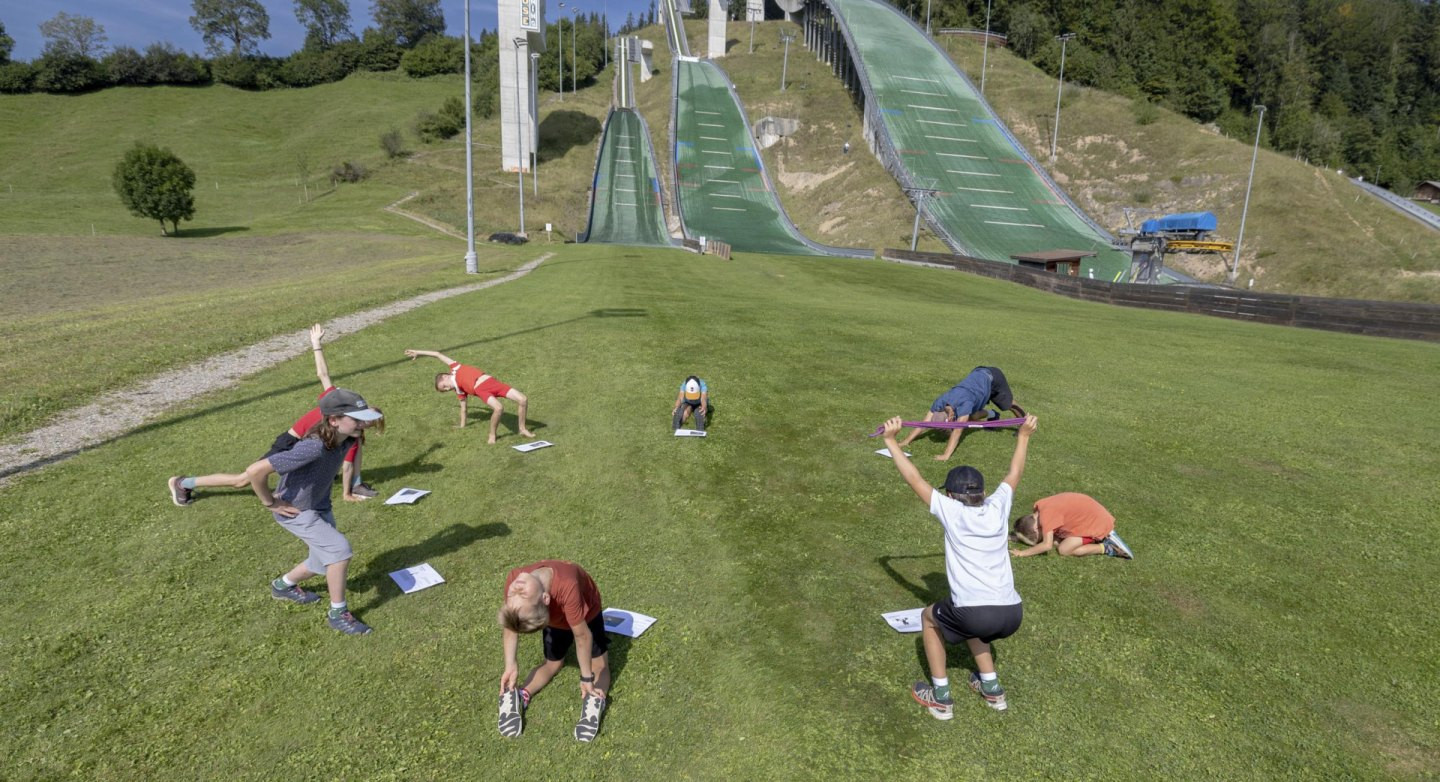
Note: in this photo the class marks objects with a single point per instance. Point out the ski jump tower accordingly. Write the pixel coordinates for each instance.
(522, 32)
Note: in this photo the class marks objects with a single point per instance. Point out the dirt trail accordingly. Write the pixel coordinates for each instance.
(120, 411)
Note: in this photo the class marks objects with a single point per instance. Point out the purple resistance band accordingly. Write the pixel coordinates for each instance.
(999, 424)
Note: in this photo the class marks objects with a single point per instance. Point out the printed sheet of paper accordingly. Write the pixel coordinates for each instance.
(414, 579)
(627, 623)
(689, 433)
(528, 447)
(885, 452)
(406, 496)
(905, 621)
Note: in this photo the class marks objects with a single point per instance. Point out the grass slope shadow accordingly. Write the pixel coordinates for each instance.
(376, 577)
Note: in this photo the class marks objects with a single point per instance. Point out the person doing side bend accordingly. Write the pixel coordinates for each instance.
(466, 380)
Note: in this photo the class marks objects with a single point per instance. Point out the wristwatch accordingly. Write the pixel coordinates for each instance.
(588, 679)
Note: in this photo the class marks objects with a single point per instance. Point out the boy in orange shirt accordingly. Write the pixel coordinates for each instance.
(1072, 523)
(465, 380)
(562, 599)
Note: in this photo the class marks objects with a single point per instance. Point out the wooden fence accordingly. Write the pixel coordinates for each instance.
(1402, 320)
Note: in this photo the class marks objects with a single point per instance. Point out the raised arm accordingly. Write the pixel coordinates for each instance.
(907, 470)
(322, 370)
(412, 354)
(1017, 461)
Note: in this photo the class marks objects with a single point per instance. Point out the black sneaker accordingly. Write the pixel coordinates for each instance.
(589, 724)
(179, 494)
(512, 713)
(364, 490)
(294, 594)
(347, 624)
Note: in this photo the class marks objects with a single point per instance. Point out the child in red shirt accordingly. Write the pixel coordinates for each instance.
(466, 380)
(1072, 523)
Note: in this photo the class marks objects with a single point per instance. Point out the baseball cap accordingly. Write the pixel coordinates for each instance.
(965, 480)
(343, 401)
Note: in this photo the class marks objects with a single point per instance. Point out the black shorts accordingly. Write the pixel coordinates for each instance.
(987, 623)
(283, 443)
(1000, 392)
(558, 642)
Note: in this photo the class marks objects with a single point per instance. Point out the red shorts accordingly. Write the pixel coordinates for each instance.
(1085, 540)
(491, 387)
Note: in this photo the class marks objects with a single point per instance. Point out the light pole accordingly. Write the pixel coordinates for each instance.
(927, 17)
(560, 55)
(919, 194)
(519, 137)
(985, 52)
(1235, 265)
(470, 265)
(534, 123)
(574, 61)
(1063, 39)
(785, 37)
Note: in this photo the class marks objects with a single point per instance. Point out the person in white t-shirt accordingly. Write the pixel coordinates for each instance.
(983, 605)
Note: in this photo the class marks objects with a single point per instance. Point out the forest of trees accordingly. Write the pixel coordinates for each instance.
(1347, 84)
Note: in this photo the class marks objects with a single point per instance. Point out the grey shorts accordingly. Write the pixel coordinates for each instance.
(317, 529)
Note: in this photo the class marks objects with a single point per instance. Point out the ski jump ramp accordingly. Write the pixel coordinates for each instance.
(931, 128)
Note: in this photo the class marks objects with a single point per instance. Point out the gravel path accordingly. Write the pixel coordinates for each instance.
(118, 412)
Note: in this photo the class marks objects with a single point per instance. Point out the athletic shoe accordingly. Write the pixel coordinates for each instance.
(991, 691)
(348, 624)
(179, 494)
(294, 594)
(512, 713)
(924, 694)
(589, 723)
(364, 490)
(1115, 547)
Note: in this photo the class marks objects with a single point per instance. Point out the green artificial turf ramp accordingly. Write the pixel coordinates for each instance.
(991, 197)
(626, 208)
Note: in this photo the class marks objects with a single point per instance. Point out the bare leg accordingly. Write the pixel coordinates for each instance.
(1071, 547)
(984, 660)
(523, 402)
(934, 644)
(335, 579)
(600, 666)
(299, 573)
(496, 408)
(541, 675)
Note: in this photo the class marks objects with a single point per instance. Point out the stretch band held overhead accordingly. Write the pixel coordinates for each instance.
(998, 424)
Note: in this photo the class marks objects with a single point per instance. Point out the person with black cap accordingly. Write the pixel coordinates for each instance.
(301, 503)
(983, 605)
(966, 401)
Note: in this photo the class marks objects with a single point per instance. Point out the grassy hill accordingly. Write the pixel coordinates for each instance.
(1274, 624)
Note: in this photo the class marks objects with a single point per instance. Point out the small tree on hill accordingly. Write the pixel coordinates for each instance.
(73, 36)
(244, 23)
(152, 182)
(7, 45)
(408, 22)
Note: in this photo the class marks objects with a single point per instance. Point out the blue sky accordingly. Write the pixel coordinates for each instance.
(139, 23)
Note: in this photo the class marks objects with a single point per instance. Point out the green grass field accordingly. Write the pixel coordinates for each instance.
(1275, 623)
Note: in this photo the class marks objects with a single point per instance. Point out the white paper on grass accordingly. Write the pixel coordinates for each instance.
(885, 452)
(627, 623)
(406, 496)
(414, 579)
(905, 621)
(689, 432)
(528, 447)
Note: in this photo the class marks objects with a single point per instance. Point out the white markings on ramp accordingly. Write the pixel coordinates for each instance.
(983, 190)
(941, 122)
(726, 168)
(930, 108)
(726, 195)
(719, 152)
(957, 154)
(712, 113)
(992, 206)
(918, 92)
(1019, 225)
(713, 138)
(727, 208)
(917, 78)
(952, 138)
(710, 125)
(969, 173)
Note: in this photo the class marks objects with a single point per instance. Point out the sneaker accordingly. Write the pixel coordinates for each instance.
(589, 723)
(364, 490)
(1115, 547)
(348, 624)
(512, 713)
(179, 494)
(294, 594)
(924, 694)
(991, 691)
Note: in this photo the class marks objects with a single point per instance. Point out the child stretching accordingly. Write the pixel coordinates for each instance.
(983, 604)
(465, 380)
(1073, 524)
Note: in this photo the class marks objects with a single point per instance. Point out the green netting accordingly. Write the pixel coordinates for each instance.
(990, 198)
(627, 206)
(720, 190)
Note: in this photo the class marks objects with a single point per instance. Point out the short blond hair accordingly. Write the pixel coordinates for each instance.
(523, 620)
